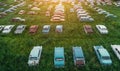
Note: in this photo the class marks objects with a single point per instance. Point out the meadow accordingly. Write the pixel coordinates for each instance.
(15, 49)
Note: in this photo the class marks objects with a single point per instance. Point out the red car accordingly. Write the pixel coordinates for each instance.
(88, 29)
(33, 29)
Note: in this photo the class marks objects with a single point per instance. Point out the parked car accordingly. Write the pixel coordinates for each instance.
(33, 29)
(111, 15)
(32, 13)
(59, 28)
(57, 19)
(47, 13)
(2, 14)
(78, 56)
(86, 19)
(102, 29)
(1, 27)
(88, 29)
(116, 49)
(34, 56)
(59, 59)
(46, 29)
(20, 29)
(102, 12)
(7, 29)
(21, 12)
(18, 19)
(103, 55)
(82, 15)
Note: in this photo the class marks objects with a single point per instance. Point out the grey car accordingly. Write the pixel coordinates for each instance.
(20, 29)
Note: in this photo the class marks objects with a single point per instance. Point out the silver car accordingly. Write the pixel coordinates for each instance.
(7, 29)
(20, 29)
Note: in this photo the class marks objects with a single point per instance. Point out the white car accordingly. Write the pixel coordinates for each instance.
(59, 28)
(102, 12)
(1, 27)
(83, 15)
(46, 28)
(87, 19)
(116, 49)
(20, 29)
(7, 29)
(102, 29)
(34, 56)
(82, 12)
(111, 15)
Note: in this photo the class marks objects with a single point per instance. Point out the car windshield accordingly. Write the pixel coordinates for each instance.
(103, 28)
(6, 29)
(106, 57)
(45, 28)
(33, 58)
(88, 28)
(78, 58)
(59, 59)
(19, 28)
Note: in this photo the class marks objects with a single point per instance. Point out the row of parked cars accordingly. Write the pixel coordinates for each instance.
(33, 29)
(101, 28)
(78, 55)
(58, 15)
(101, 11)
(46, 28)
(82, 15)
(13, 8)
(21, 12)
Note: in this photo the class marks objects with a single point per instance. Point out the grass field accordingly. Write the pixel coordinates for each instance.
(15, 49)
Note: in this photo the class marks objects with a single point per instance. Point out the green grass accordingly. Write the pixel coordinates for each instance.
(15, 49)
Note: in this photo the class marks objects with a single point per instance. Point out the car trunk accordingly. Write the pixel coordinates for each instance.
(79, 62)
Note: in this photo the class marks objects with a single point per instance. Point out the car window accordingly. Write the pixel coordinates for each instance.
(59, 59)
(39, 53)
(99, 53)
(79, 58)
(117, 51)
(33, 58)
(19, 28)
(106, 57)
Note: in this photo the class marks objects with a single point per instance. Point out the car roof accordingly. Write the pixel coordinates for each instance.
(78, 52)
(33, 26)
(34, 52)
(102, 26)
(103, 52)
(20, 26)
(8, 26)
(59, 52)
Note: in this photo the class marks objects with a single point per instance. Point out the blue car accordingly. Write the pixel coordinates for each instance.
(103, 55)
(59, 59)
(78, 56)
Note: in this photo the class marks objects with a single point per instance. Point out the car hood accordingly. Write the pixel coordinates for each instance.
(33, 62)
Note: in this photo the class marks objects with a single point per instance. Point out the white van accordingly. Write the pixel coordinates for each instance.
(34, 56)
